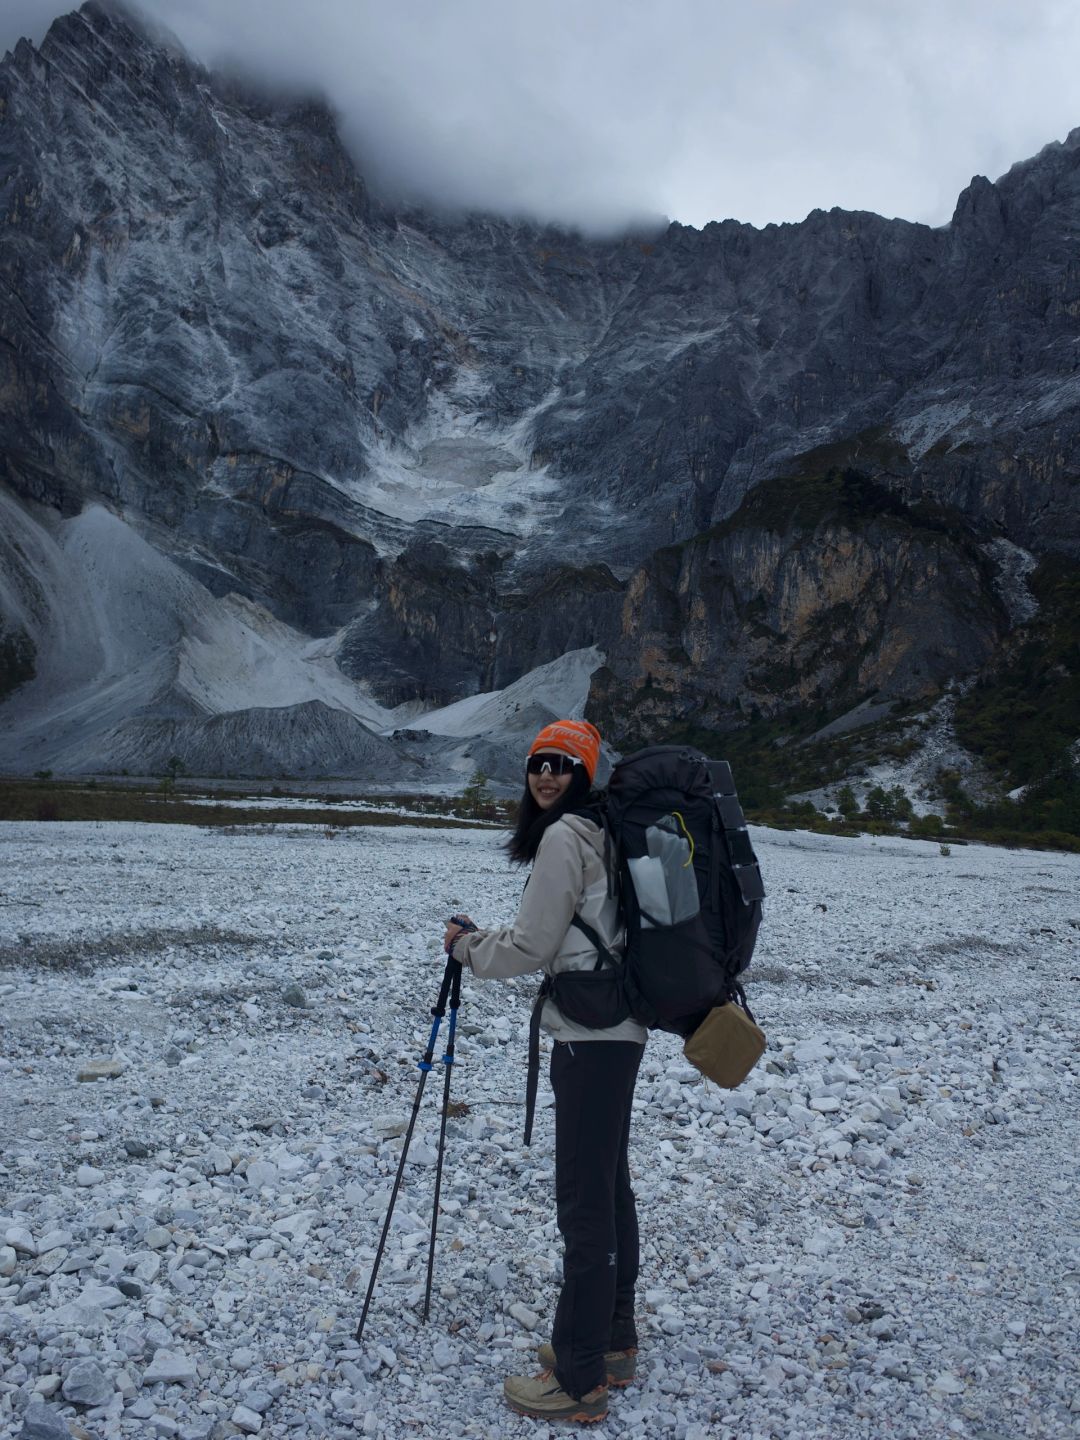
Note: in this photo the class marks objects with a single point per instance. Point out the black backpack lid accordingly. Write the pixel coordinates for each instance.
(660, 767)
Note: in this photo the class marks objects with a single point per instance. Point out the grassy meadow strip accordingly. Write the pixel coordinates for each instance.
(62, 800)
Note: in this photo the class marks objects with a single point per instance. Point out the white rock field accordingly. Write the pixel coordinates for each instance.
(878, 1235)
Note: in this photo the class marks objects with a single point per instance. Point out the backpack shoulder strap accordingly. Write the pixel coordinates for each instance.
(603, 954)
(598, 811)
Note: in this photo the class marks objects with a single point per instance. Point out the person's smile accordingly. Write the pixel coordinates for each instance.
(545, 786)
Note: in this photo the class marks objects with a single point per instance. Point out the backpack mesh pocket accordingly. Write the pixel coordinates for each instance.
(665, 883)
(675, 972)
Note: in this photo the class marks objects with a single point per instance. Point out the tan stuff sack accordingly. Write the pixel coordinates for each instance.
(726, 1045)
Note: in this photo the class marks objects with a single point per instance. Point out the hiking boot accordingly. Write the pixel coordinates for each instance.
(621, 1364)
(542, 1397)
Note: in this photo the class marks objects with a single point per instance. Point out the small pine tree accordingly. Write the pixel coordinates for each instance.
(846, 802)
(476, 798)
(878, 804)
(174, 767)
(902, 808)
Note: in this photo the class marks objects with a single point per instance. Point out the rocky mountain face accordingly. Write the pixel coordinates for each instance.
(761, 470)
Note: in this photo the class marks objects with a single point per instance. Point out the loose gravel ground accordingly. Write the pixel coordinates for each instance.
(878, 1235)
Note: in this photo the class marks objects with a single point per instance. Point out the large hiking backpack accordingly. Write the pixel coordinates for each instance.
(672, 815)
(690, 894)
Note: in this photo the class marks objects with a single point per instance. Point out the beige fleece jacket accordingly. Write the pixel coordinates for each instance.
(568, 877)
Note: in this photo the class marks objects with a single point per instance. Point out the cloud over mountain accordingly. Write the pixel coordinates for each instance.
(602, 114)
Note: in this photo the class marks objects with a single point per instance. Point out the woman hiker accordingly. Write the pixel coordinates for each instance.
(594, 1340)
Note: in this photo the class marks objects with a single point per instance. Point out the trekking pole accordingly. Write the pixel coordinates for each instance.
(452, 971)
(448, 1061)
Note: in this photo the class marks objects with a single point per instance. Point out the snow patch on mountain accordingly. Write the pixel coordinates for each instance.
(1053, 399)
(122, 632)
(916, 774)
(241, 656)
(1014, 566)
(455, 467)
(137, 661)
(490, 732)
(560, 687)
(922, 431)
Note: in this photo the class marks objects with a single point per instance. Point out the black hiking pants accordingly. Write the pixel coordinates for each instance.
(593, 1081)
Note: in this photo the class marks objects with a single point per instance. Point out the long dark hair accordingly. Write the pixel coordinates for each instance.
(532, 821)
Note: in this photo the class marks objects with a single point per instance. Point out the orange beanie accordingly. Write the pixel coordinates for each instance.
(572, 737)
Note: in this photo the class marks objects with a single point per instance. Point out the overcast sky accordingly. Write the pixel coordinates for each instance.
(596, 112)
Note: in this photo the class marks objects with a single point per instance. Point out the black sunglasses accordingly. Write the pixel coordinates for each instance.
(553, 764)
